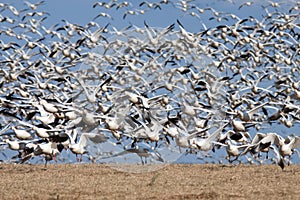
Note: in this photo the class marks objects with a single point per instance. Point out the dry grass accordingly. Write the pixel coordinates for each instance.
(96, 181)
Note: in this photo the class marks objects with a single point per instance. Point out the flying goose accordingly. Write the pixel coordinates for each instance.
(80, 146)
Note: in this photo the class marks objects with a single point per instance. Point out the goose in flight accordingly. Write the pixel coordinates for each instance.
(143, 151)
(207, 144)
(49, 149)
(232, 149)
(238, 126)
(248, 115)
(18, 145)
(279, 159)
(40, 132)
(185, 140)
(289, 146)
(33, 6)
(80, 147)
(21, 134)
(247, 3)
(235, 136)
(261, 143)
(41, 147)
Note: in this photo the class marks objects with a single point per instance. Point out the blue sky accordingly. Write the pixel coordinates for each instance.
(81, 12)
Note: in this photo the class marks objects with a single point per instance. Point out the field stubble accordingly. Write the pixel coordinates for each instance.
(176, 181)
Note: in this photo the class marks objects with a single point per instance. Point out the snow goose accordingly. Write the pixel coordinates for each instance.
(261, 143)
(148, 131)
(288, 146)
(33, 6)
(143, 151)
(36, 147)
(49, 149)
(232, 149)
(15, 144)
(40, 132)
(234, 136)
(207, 144)
(49, 107)
(21, 134)
(279, 158)
(80, 147)
(191, 110)
(238, 126)
(248, 115)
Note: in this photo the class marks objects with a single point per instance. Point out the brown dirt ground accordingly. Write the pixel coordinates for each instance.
(178, 181)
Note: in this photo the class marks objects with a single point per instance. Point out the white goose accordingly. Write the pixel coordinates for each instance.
(279, 158)
(288, 146)
(21, 134)
(232, 149)
(49, 149)
(207, 144)
(248, 115)
(238, 126)
(40, 132)
(261, 143)
(143, 151)
(80, 147)
(16, 144)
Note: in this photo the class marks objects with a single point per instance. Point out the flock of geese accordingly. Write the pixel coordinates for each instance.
(149, 92)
